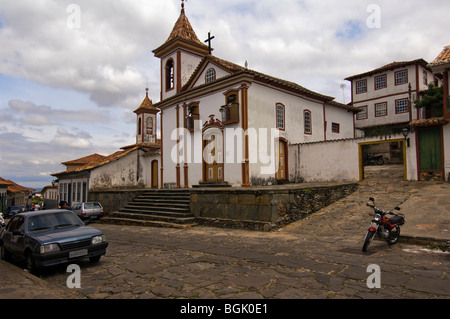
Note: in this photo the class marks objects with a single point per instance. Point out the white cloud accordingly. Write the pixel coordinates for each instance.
(108, 60)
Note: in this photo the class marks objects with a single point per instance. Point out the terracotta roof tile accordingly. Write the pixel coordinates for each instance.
(13, 187)
(388, 67)
(110, 158)
(146, 105)
(183, 31)
(84, 160)
(443, 57)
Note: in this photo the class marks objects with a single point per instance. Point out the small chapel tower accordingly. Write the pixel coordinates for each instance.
(179, 56)
(146, 121)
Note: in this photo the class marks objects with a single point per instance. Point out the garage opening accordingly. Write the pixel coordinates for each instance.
(383, 159)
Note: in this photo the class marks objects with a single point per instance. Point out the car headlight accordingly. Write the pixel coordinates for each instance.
(49, 248)
(98, 239)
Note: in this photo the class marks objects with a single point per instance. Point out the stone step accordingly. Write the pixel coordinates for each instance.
(157, 208)
(153, 211)
(162, 201)
(180, 219)
(144, 223)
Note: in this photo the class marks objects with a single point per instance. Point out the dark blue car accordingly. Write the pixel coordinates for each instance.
(50, 237)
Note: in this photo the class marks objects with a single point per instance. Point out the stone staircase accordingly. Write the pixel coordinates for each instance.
(156, 208)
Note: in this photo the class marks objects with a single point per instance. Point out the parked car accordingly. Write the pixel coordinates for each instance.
(50, 237)
(88, 210)
(15, 210)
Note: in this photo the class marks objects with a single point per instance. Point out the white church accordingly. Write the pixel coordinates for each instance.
(225, 124)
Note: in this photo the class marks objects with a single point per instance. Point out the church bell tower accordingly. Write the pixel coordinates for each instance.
(146, 121)
(179, 56)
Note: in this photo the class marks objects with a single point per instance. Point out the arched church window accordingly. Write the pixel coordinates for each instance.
(210, 75)
(139, 126)
(170, 75)
(307, 121)
(149, 126)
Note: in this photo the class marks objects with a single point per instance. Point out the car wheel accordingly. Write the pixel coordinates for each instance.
(5, 255)
(31, 267)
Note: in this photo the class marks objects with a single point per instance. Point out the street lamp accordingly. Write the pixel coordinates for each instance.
(405, 132)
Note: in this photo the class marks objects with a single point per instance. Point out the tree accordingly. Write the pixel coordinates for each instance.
(432, 101)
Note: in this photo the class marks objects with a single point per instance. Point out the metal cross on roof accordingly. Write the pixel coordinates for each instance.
(209, 40)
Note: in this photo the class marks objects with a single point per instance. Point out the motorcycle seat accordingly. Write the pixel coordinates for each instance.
(397, 219)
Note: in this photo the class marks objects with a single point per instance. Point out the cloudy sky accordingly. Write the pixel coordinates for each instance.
(73, 71)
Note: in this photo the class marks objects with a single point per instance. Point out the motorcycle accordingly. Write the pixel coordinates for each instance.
(374, 159)
(382, 226)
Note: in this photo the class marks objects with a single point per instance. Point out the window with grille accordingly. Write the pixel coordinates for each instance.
(401, 77)
(401, 106)
(307, 121)
(210, 75)
(381, 109)
(280, 116)
(362, 115)
(335, 127)
(361, 86)
(380, 82)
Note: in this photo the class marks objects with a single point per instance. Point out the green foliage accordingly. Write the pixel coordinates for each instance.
(432, 101)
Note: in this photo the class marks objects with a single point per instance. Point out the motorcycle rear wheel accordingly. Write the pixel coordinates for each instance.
(394, 235)
(368, 239)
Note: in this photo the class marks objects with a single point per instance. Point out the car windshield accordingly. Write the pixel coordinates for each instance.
(91, 205)
(53, 220)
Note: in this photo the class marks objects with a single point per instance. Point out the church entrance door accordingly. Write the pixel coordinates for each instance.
(213, 155)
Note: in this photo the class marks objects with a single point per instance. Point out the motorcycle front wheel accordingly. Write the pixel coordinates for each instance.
(394, 235)
(368, 239)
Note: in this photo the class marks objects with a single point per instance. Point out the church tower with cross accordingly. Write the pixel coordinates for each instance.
(146, 121)
(210, 107)
(179, 56)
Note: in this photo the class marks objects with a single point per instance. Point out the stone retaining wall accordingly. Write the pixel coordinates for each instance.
(114, 200)
(262, 208)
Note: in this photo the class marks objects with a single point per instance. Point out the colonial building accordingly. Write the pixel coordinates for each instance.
(134, 166)
(434, 134)
(226, 124)
(15, 194)
(384, 95)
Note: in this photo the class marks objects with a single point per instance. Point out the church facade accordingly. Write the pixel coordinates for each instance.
(225, 124)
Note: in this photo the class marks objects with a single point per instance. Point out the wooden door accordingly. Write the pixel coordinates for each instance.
(282, 160)
(430, 151)
(213, 157)
(154, 174)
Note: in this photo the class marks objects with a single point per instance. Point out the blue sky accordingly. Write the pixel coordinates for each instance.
(69, 90)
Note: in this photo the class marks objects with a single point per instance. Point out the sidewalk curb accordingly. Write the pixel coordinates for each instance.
(20, 284)
(444, 244)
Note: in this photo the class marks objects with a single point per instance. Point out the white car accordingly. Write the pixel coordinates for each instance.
(88, 210)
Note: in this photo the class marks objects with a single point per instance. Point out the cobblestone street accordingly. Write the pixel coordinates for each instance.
(318, 257)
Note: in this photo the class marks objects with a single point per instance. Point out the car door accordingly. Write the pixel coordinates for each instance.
(16, 245)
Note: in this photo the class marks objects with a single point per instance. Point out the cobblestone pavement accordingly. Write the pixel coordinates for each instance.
(319, 257)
